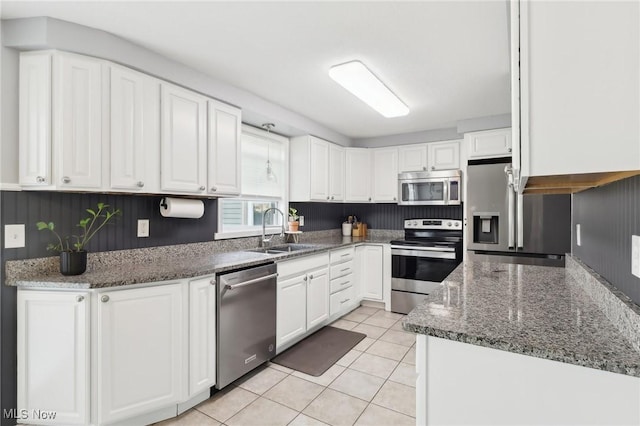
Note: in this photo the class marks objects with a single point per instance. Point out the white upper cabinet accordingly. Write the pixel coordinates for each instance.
(135, 131)
(184, 141)
(35, 119)
(443, 155)
(317, 170)
(358, 175)
(579, 86)
(77, 121)
(224, 149)
(385, 175)
(412, 158)
(488, 143)
(336, 172)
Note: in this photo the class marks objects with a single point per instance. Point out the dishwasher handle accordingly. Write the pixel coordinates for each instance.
(250, 282)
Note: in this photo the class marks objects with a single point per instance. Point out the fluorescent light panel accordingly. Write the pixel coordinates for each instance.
(357, 79)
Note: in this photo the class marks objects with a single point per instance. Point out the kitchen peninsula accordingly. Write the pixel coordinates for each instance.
(500, 343)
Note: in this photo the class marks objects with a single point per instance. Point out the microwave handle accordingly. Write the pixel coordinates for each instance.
(445, 192)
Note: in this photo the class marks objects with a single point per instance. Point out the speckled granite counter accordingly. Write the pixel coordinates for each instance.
(128, 267)
(538, 311)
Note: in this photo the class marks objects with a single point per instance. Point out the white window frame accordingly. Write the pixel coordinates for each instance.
(284, 201)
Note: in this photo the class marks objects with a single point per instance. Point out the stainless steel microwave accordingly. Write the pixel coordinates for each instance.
(436, 188)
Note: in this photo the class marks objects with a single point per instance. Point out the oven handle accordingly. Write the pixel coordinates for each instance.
(416, 248)
(427, 254)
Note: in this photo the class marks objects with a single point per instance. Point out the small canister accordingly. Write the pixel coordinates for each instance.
(346, 229)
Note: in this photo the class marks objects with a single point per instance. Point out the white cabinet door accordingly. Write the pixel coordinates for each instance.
(135, 133)
(318, 169)
(53, 355)
(291, 313)
(580, 92)
(184, 142)
(412, 158)
(370, 271)
(357, 175)
(444, 155)
(202, 335)
(224, 149)
(77, 121)
(317, 297)
(336, 173)
(489, 143)
(385, 175)
(35, 119)
(140, 336)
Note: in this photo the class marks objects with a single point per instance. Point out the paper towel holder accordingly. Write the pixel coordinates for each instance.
(163, 203)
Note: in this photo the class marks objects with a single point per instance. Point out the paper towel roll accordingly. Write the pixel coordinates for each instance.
(181, 207)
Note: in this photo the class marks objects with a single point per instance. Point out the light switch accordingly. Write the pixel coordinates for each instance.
(14, 236)
(635, 255)
(301, 220)
(578, 238)
(143, 228)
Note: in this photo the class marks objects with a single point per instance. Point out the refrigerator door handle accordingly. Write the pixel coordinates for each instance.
(519, 223)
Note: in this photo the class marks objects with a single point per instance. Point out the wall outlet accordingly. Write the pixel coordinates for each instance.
(14, 236)
(578, 238)
(301, 220)
(143, 228)
(635, 255)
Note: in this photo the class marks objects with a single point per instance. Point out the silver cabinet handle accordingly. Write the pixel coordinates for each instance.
(104, 298)
(212, 282)
(332, 197)
(79, 298)
(433, 167)
(305, 278)
(424, 168)
(140, 184)
(39, 179)
(395, 198)
(202, 188)
(344, 301)
(310, 277)
(345, 269)
(369, 198)
(214, 189)
(327, 197)
(66, 179)
(344, 283)
(509, 150)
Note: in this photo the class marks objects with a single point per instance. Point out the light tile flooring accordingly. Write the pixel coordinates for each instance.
(373, 384)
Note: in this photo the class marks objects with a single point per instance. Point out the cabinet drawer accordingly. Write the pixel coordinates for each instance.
(302, 265)
(341, 283)
(341, 301)
(342, 255)
(341, 269)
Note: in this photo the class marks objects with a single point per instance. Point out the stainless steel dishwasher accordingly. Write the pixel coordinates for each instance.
(246, 321)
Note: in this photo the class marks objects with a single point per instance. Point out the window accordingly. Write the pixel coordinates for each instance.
(264, 172)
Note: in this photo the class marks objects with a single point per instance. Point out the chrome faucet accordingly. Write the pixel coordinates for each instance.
(265, 241)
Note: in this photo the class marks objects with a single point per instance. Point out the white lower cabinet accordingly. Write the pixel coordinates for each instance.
(342, 301)
(370, 271)
(302, 298)
(127, 355)
(53, 357)
(139, 350)
(202, 335)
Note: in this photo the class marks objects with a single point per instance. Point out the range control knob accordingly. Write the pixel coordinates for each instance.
(415, 223)
(449, 224)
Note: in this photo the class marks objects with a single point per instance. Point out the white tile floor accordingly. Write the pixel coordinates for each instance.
(373, 384)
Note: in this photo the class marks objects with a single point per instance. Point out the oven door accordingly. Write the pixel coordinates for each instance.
(416, 272)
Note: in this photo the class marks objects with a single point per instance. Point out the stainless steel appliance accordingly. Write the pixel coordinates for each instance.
(430, 251)
(439, 188)
(509, 227)
(246, 321)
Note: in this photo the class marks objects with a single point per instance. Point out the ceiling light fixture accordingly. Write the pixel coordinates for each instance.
(271, 177)
(360, 81)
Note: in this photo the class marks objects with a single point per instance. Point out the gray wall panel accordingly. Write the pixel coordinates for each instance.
(608, 217)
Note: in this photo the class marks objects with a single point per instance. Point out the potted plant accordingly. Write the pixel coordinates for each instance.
(293, 220)
(73, 256)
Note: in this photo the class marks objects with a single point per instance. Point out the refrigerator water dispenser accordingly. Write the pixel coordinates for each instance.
(485, 228)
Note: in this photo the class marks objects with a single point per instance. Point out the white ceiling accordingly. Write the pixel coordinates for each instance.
(447, 61)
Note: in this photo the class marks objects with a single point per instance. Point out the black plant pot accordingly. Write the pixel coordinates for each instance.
(73, 262)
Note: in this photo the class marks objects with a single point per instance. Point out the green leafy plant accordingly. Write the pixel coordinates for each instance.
(90, 227)
(293, 214)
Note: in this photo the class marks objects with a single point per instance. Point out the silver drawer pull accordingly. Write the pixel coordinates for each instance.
(66, 179)
(345, 255)
(104, 298)
(40, 179)
(345, 283)
(345, 269)
(345, 301)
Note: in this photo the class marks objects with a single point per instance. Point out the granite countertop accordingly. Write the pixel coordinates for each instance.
(532, 310)
(171, 267)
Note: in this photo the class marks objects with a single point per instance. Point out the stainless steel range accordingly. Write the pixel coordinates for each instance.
(430, 251)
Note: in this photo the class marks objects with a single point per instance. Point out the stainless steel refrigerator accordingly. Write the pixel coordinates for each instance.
(505, 226)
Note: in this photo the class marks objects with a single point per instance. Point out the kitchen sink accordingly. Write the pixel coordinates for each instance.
(285, 248)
